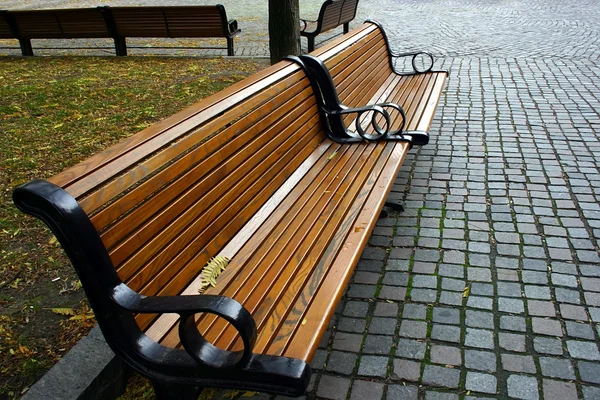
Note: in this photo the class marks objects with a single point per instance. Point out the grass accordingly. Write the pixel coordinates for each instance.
(55, 112)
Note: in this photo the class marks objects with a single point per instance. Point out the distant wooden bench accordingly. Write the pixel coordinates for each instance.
(333, 14)
(260, 174)
(118, 23)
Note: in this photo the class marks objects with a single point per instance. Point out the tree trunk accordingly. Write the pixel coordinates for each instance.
(284, 29)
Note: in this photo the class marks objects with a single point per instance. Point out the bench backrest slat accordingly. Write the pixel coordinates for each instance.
(169, 201)
(197, 21)
(5, 29)
(330, 17)
(337, 12)
(348, 12)
(66, 23)
(358, 70)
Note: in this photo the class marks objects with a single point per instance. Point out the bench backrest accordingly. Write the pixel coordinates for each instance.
(66, 23)
(195, 21)
(336, 12)
(5, 28)
(360, 68)
(169, 198)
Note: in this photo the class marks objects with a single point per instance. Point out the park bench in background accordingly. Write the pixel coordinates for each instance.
(118, 23)
(262, 174)
(333, 14)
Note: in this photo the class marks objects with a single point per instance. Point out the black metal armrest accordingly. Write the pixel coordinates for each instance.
(233, 26)
(192, 340)
(332, 110)
(302, 25)
(376, 110)
(428, 63)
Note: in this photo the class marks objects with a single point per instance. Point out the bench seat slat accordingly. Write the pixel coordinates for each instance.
(193, 267)
(298, 248)
(266, 337)
(260, 226)
(315, 319)
(299, 294)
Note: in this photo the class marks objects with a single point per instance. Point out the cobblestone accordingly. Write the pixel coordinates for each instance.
(407, 370)
(583, 350)
(331, 387)
(440, 376)
(445, 355)
(480, 360)
(478, 382)
(373, 366)
(556, 368)
(367, 390)
(411, 349)
(516, 363)
(522, 387)
(399, 392)
(480, 338)
(511, 341)
(557, 390)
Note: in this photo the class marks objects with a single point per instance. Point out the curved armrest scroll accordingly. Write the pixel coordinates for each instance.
(428, 65)
(192, 340)
(377, 110)
(233, 26)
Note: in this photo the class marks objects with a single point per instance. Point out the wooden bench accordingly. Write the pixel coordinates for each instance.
(333, 14)
(118, 23)
(249, 174)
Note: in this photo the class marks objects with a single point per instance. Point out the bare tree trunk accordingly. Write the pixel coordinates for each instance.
(284, 29)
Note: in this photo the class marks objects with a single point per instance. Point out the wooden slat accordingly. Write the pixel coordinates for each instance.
(172, 21)
(205, 158)
(60, 24)
(278, 173)
(138, 153)
(315, 319)
(205, 193)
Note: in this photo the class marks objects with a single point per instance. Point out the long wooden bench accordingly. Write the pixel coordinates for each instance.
(333, 14)
(118, 23)
(252, 174)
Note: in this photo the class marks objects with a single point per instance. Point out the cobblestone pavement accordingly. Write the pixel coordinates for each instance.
(488, 285)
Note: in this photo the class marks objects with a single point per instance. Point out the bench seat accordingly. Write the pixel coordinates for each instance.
(248, 174)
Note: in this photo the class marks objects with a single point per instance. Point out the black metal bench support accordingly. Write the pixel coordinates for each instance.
(26, 48)
(230, 46)
(120, 46)
(311, 43)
